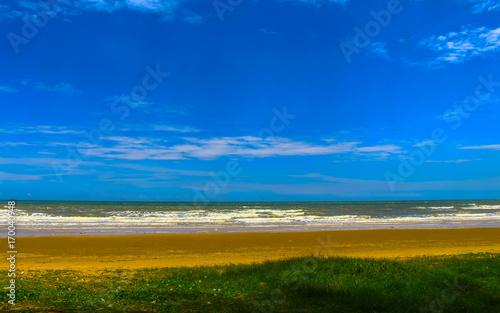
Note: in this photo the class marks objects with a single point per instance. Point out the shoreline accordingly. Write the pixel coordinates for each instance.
(97, 253)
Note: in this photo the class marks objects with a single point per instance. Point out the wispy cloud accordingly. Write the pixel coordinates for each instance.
(132, 142)
(485, 103)
(158, 169)
(191, 17)
(8, 89)
(243, 146)
(179, 109)
(44, 165)
(379, 49)
(448, 161)
(178, 129)
(484, 147)
(166, 8)
(42, 129)
(318, 2)
(481, 6)
(381, 148)
(268, 32)
(9, 13)
(158, 6)
(459, 47)
(318, 184)
(17, 177)
(63, 87)
(161, 128)
(47, 162)
(424, 143)
(336, 179)
(15, 144)
(133, 103)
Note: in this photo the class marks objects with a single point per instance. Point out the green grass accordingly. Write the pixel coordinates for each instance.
(293, 285)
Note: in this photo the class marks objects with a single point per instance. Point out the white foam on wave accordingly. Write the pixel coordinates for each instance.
(473, 206)
(250, 217)
(211, 214)
(20, 213)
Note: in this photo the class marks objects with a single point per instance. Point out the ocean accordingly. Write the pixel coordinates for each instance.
(36, 218)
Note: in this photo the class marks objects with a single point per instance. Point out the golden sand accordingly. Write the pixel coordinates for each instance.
(95, 253)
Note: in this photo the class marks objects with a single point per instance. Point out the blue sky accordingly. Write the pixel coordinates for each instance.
(249, 100)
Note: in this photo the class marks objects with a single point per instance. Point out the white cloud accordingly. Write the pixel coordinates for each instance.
(42, 129)
(157, 169)
(192, 18)
(448, 161)
(131, 141)
(213, 148)
(481, 6)
(63, 87)
(148, 4)
(379, 48)
(458, 47)
(381, 148)
(484, 147)
(318, 2)
(8, 89)
(158, 6)
(337, 179)
(15, 144)
(166, 8)
(45, 164)
(119, 146)
(425, 143)
(9, 13)
(177, 129)
(161, 128)
(268, 32)
(43, 161)
(130, 101)
(16, 177)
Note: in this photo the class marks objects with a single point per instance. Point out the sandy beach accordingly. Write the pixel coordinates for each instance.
(95, 253)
